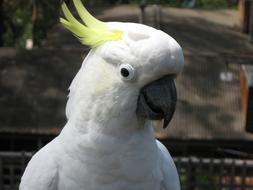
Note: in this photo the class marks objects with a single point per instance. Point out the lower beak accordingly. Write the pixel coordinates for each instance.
(157, 100)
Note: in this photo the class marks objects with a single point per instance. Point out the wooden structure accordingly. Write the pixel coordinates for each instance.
(246, 17)
(246, 80)
(251, 21)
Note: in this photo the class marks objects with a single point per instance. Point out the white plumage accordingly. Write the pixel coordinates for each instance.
(105, 145)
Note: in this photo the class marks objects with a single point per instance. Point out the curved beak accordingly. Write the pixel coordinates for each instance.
(157, 100)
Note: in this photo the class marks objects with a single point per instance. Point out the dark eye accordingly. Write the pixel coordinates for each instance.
(127, 72)
(124, 72)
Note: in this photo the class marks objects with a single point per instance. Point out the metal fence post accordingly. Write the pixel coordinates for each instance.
(244, 173)
(1, 173)
(23, 164)
(157, 16)
(221, 173)
(191, 178)
(143, 5)
(232, 175)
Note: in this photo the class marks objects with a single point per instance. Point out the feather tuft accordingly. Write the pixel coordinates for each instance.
(94, 33)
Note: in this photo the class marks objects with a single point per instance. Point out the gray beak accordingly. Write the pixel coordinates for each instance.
(157, 100)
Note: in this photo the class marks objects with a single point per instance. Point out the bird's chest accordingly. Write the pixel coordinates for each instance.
(113, 170)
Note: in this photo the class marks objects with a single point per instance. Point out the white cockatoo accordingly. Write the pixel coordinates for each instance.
(108, 143)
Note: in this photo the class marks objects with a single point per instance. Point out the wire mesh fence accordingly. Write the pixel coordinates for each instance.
(195, 173)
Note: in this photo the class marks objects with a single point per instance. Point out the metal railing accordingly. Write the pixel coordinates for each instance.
(195, 173)
(12, 166)
(215, 173)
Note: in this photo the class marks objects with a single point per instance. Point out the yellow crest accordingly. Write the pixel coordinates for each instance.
(93, 33)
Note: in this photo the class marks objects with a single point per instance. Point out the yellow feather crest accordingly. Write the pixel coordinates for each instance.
(94, 32)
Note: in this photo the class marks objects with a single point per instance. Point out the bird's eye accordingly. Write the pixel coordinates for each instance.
(127, 72)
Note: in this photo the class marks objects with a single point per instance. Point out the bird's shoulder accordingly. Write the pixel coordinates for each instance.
(41, 172)
(170, 175)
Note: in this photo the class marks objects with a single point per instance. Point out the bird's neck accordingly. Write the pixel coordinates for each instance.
(112, 139)
(106, 113)
(115, 120)
(111, 124)
(101, 127)
(104, 144)
(118, 154)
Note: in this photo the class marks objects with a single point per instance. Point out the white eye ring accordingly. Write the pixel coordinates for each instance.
(127, 72)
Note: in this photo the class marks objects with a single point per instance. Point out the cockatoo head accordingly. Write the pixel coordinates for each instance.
(130, 66)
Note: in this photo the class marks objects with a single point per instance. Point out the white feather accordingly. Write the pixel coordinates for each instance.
(104, 145)
(170, 176)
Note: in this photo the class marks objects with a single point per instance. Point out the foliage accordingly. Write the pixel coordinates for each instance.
(28, 19)
(17, 23)
(210, 4)
(47, 16)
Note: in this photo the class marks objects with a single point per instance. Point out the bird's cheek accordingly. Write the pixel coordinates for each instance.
(103, 79)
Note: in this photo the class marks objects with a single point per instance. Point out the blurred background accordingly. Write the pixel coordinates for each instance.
(211, 134)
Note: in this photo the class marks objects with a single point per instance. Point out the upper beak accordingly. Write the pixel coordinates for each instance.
(157, 100)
